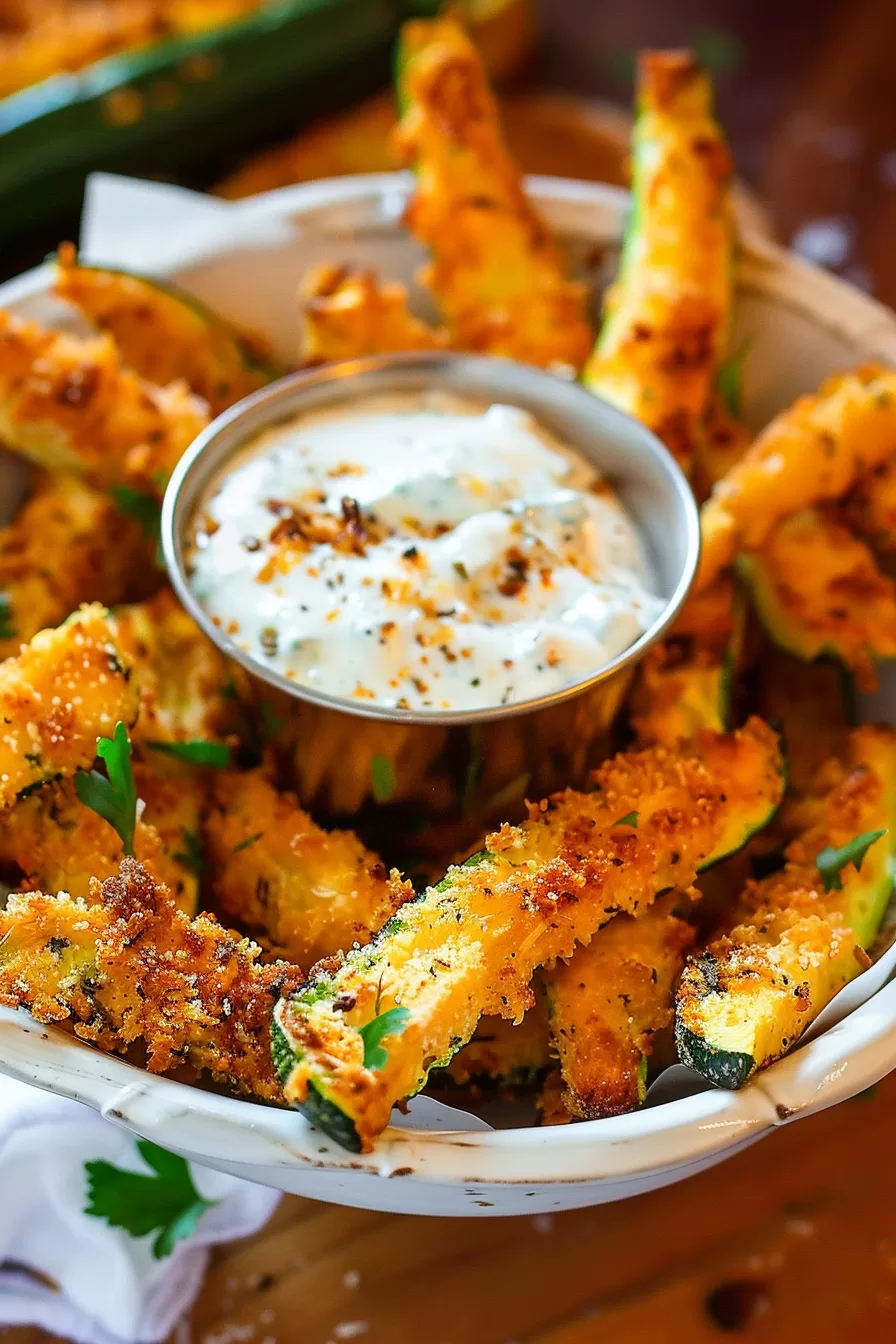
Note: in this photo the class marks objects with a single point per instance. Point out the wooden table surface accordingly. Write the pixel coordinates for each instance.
(795, 1238)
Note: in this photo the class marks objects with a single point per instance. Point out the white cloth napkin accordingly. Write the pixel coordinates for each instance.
(109, 1287)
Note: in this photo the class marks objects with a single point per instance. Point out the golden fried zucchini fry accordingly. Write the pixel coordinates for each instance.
(818, 590)
(347, 313)
(69, 404)
(811, 706)
(186, 686)
(163, 334)
(130, 966)
(66, 688)
(504, 1053)
(495, 270)
(793, 940)
(667, 314)
(68, 544)
(721, 443)
(810, 453)
(311, 892)
(685, 683)
(58, 844)
(870, 507)
(608, 1002)
(468, 945)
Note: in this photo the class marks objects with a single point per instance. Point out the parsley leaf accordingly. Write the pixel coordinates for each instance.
(271, 721)
(382, 779)
(390, 1023)
(191, 856)
(729, 379)
(197, 752)
(7, 629)
(249, 840)
(630, 819)
(145, 509)
(113, 798)
(831, 862)
(166, 1202)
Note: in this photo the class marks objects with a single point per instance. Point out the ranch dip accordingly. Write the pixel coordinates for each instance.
(420, 551)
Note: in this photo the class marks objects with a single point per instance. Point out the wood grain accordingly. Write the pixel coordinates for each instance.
(793, 1238)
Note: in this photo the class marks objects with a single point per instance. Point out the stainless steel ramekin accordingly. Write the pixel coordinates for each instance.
(551, 727)
(649, 483)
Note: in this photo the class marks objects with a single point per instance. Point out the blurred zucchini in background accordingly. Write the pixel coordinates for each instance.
(192, 104)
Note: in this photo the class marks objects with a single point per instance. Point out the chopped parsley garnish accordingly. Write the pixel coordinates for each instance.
(460, 568)
(113, 798)
(249, 840)
(831, 862)
(271, 722)
(166, 1202)
(630, 819)
(390, 1023)
(7, 629)
(191, 856)
(382, 779)
(197, 752)
(729, 379)
(145, 509)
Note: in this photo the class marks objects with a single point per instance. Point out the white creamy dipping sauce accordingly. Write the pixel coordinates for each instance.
(418, 551)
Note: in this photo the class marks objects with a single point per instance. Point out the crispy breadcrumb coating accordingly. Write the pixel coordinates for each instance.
(68, 404)
(66, 688)
(495, 271)
(68, 544)
(348, 312)
(311, 892)
(130, 967)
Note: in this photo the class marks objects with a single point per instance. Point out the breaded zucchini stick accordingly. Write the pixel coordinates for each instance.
(162, 334)
(69, 404)
(68, 544)
(870, 507)
(607, 1004)
(812, 452)
(818, 590)
(495, 270)
(66, 688)
(811, 704)
(58, 844)
(667, 314)
(470, 944)
(129, 966)
(791, 944)
(347, 313)
(186, 686)
(503, 1053)
(311, 892)
(684, 683)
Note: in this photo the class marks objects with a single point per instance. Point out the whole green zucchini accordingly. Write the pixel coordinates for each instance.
(191, 105)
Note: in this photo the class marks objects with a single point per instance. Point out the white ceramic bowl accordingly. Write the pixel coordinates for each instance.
(804, 325)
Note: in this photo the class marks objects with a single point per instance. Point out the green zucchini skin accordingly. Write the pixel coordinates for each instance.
(234, 89)
(317, 1110)
(726, 1068)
